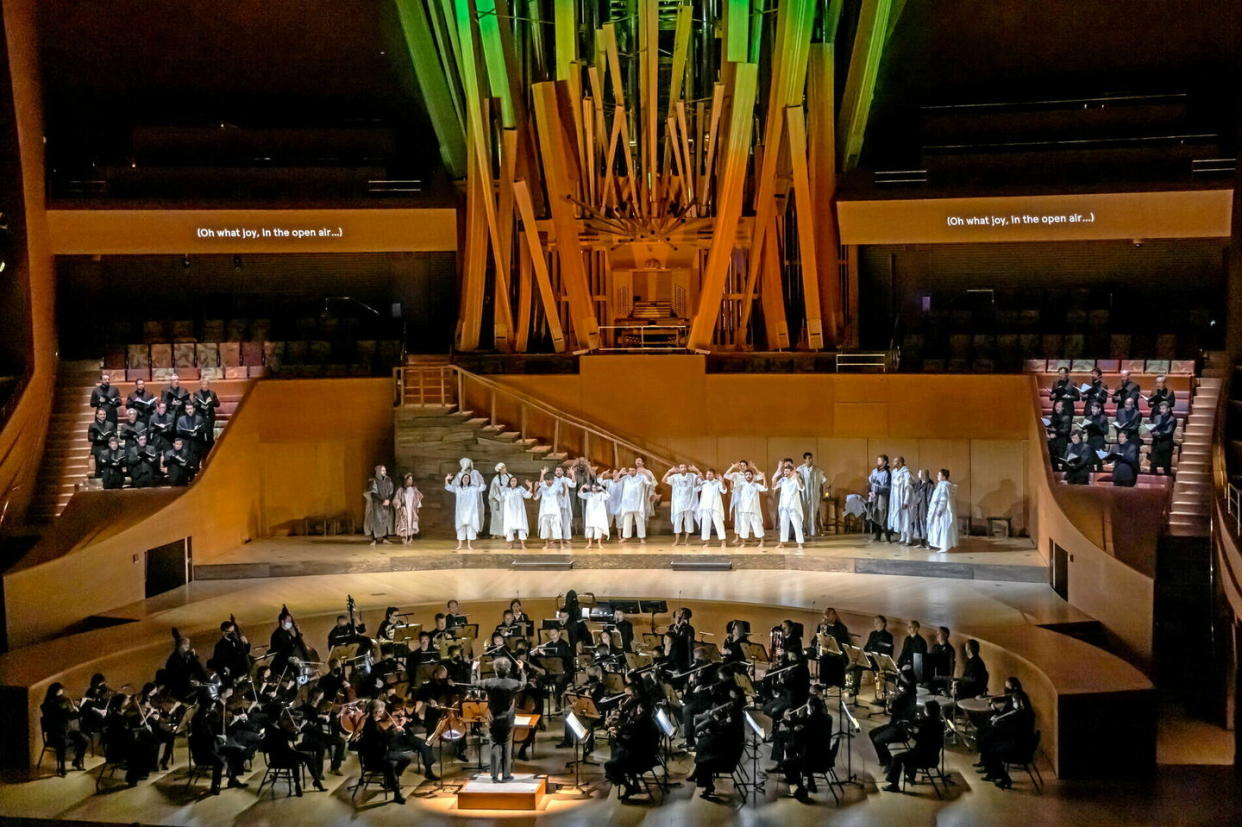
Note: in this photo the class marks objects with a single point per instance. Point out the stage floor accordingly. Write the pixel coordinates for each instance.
(978, 558)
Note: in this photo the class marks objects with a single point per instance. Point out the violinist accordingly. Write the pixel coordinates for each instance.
(183, 670)
(928, 733)
(720, 735)
(320, 730)
(232, 653)
(94, 704)
(902, 706)
(635, 742)
(279, 748)
(379, 751)
(832, 667)
(406, 739)
(211, 743)
(809, 729)
(159, 724)
(61, 722)
(699, 692)
(129, 733)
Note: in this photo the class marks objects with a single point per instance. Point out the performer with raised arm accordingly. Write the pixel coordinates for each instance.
(377, 519)
(814, 486)
(788, 487)
(942, 514)
(899, 500)
(513, 507)
(748, 511)
(611, 481)
(549, 516)
(564, 483)
(711, 506)
(467, 513)
(595, 513)
(683, 484)
(649, 498)
(495, 501)
(634, 504)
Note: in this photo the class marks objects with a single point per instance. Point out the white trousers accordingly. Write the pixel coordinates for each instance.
(789, 519)
(593, 533)
(715, 519)
(550, 527)
(746, 523)
(683, 522)
(631, 518)
(466, 532)
(567, 523)
(520, 532)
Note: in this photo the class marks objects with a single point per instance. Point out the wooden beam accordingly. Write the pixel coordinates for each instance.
(775, 323)
(808, 227)
(823, 169)
(735, 155)
(869, 41)
(555, 144)
(474, 266)
(521, 334)
(539, 262)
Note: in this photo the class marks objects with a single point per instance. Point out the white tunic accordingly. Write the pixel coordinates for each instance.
(469, 510)
(649, 480)
(746, 497)
(634, 494)
(813, 481)
(614, 489)
(899, 499)
(513, 509)
(549, 505)
(596, 511)
(495, 494)
(563, 484)
(711, 493)
(942, 516)
(790, 496)
(683, 487)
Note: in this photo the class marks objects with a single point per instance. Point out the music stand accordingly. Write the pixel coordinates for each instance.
(476, 712)
(667, 727)
(744, 683)
(579, 733)
(582, 707)
(856, 658)
(614, 682)
(636, 661)
(758, 726)
(847, 731)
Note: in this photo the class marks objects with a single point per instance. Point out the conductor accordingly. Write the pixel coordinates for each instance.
(501, 691)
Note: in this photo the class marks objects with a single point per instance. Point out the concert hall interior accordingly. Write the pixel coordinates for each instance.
(641, 411)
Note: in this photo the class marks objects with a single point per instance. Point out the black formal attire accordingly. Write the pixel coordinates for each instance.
(1095, 393)
(832, 667)
(177, 466)
(792, 688)
(1059, 428)
(208, 748)
(282, 645)
(559, 649)
(1161, 395)
(974, 679)
(142, 463)
(1008, 737)
(1127, 389)
(452, 621)
(942, 660)
(99, 433)
(878, 642)
(278, 744)
(904, 705)
(1077, 464)
(1126, 464)
(720, 745)
(1161, 456)
(232, 657)
(127, 432)
(809, 745)
(143, 403)
(161, 428)
(352, 635)
(321, 735)
(181, 671)
(911, 645)
(636, 745)
(190, 427)
(625, 630)
(125, 741)
(1097, 429)
(379, 751)
(108, 398)
(113, 468)
(205, 404)
(682, 651)
(697, 697)
(62, 726)
(1129, 422)
(1067, 390)
(500, 696)
(175, 398)
(928, 742)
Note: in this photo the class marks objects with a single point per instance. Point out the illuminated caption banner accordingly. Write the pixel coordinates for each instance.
(257, 233)
(1099, 216)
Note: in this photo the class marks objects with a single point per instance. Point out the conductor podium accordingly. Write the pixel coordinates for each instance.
(523, 792)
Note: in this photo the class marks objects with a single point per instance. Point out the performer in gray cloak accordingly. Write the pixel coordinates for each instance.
(920, 497)
(377, 522)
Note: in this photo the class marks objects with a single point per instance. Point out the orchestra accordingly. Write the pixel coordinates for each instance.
(424, 706)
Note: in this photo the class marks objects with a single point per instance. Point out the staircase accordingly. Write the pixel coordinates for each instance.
(66, 464)
(1189, 512)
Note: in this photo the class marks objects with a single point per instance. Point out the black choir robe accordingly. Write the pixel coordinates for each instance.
(98, 434)
(175, 399)
(205, 404)
(1125, 464)
(128, 432)
(1128, 422)
(1162, 428)
(1078, 463)
(143, 403)
(161, 428)
(108, 398)
(143, 465)
(1128, 388)
(113, 468)
(1067, 390)
(190, 428)
(177, 466)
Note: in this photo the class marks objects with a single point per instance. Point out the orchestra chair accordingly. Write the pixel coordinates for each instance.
(366, 777)
(47, 747)
(200, 766)
(652, 781)
(277, 772)
(1026, 760)
(108, 769)
(932, 772)
(737, 775)
(827, 770)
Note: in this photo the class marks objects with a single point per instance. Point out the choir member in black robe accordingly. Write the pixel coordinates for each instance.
(205, 404)
(98, 434)
(129, 429)
(1126, 462)
(1077, 460)
(1096, 391)
(1126, 390)
(161, 427)
(920, 501)
(1163, 424)
(1059, 426)
(177, 463)
(142, 463)
(1129, 420)
(1162, 393)
(174, 395)
(141, 400)
(113, 465)
(1097, 428)
(106, 397)
(1064, 389)
(190, 428)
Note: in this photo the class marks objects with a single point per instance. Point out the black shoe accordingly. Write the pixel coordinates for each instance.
(564, 745)
(430, 774)
(214, 791)
(234, 784)
(891, 788)
(801, 794)
(298, 792)
(398, 798)
(812, 787)
(1005, 783)
(319, 787)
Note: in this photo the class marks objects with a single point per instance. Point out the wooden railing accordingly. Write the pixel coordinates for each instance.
(448, 384)
(1226, 502)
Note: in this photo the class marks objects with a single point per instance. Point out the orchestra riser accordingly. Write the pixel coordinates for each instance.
(66, 456)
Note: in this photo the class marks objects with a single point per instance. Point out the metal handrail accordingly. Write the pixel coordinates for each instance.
(453, 378)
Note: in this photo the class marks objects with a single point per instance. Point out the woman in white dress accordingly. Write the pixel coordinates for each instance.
(594, 514)
(468, 513)
(549, 515)
(513, 507)
(495, 494)
(408, 500)
(942, 514)
(899, 499)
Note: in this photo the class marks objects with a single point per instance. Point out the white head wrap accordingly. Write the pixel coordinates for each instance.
(465, 463)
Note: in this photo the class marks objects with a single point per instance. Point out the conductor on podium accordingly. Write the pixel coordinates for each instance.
(501, 691)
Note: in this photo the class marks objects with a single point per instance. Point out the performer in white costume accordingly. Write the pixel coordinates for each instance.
(747, 509)
(549, 518)
(683, 503)
(595, 513)
(513, 510)
(942, 514)
(711, 506)
(468, 513)
(634, 504)
(788, 488)
(814, 487)
(495, 493)
(899, 499)
(564, 482)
